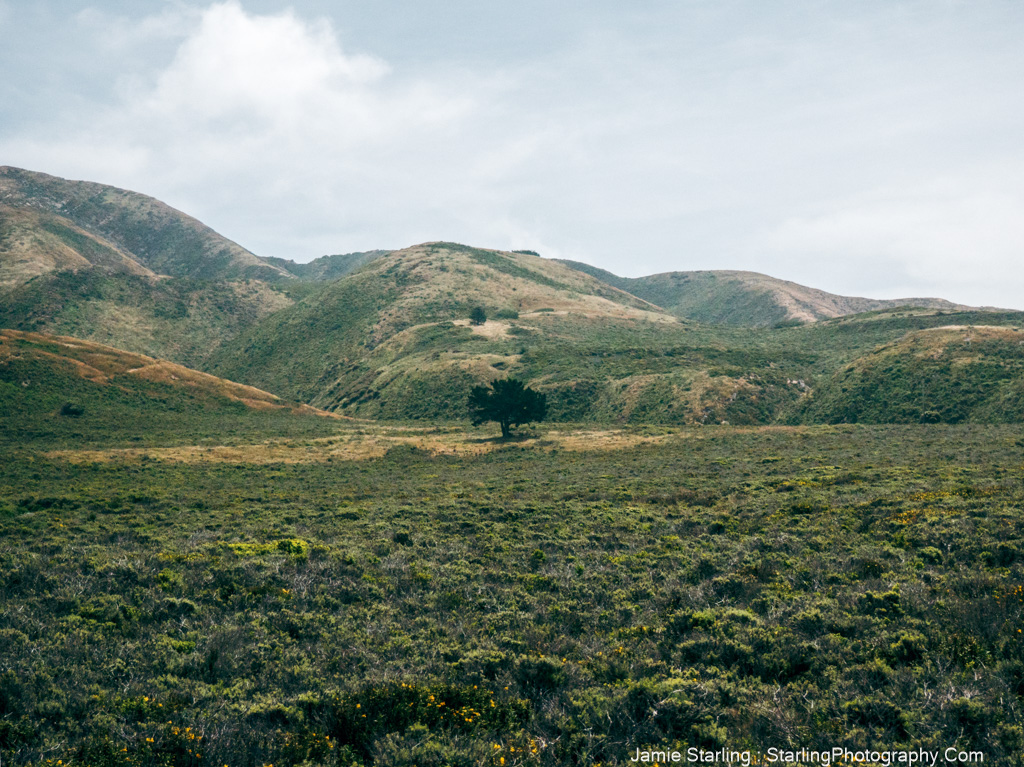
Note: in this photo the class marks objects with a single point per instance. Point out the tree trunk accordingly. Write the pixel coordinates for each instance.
(505, 433)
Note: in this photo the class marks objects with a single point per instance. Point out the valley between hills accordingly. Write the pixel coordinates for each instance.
(244, 519)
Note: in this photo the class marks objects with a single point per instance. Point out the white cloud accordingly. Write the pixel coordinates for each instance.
(673, 137)
(266, 119)
(956, 238)
(270, 68)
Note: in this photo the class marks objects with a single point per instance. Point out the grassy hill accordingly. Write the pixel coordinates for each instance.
(385, 334)
(156, 236)
(725, 297)
(945, 374)
(63, 389)
(116, 267)
(392, 340)
(179, 319)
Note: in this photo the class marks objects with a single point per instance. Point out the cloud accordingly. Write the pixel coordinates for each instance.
(264, 118)
(951, 238)
(842, 148)
(268, 68)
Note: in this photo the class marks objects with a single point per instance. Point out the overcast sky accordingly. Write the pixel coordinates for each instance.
(867, 148)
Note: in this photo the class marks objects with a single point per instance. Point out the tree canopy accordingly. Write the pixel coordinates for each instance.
(478, 316)
(508, 402)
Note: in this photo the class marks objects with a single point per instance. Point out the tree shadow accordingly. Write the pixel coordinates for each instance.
(500, 440)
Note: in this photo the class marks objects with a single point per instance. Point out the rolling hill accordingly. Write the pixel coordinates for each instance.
(158, 238)
(726, 297)
(59, 386)
(944, 374)
(385, 334)
(402, 318)
(117, 267)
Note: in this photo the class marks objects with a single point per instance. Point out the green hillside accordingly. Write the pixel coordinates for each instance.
(386, 334)
(348, 341)
(63, 390)
(947, 374)
(178, 319)
(393, 341)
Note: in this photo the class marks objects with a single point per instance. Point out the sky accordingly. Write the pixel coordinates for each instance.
(870, 148)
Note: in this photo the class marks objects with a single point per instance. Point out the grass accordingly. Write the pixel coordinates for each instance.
(180, 319)
(560, 599)
(62, 392)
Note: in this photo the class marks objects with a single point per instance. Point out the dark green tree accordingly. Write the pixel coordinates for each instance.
(508, 402)
(478, 316)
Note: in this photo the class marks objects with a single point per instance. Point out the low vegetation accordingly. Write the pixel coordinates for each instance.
(805, 535)
(717, 586)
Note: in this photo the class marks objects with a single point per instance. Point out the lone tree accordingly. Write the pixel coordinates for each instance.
(508, 402)
(478, 316)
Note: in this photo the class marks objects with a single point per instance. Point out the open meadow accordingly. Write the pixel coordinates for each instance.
(350, 593)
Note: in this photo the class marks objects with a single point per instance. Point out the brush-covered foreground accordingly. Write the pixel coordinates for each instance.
(452, 600)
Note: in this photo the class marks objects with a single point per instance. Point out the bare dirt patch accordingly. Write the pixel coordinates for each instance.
(364, 446)
(490, 329)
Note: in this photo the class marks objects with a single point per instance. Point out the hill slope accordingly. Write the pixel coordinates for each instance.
(62, 386)
(157, 237)
(35, 243)
(116, 267)
(330, 348)
(178, 319)
(945, 374)
(726, 297)
(392, 340)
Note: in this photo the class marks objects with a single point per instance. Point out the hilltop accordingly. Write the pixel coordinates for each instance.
(399, 326)
(157, 238)
(729, 297)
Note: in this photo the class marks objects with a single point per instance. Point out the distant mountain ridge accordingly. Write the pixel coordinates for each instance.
(731, 297)
(327, 268)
